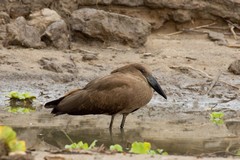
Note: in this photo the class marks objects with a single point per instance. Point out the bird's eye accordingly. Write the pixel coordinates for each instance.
(142, 70)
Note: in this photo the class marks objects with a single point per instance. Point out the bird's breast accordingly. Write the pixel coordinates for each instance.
(139, 93)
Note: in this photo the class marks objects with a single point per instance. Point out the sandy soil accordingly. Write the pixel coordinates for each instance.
(185, 66)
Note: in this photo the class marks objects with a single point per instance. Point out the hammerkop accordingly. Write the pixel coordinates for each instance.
(124, 91)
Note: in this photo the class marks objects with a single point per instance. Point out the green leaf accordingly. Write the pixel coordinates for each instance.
(217, 118)
(140, 147)
(93, 144)
(217, 114)
(161, 152)
(15, 95)
(16, 145)
(152, 152)
(20, 96)
(116, 147)
(28, 95)
(82, 145)
(7, 134)
(71, 146)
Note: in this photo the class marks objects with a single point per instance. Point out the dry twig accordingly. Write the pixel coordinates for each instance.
(233, 32)
(232, 26)
(214, 82)
(191, 29)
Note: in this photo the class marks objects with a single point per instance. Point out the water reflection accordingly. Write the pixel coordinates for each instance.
(49, 137)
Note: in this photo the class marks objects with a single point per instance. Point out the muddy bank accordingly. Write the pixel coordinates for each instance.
(184, 65)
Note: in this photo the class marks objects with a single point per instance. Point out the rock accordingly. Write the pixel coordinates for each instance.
(20, 33)
(182, 16)
(71, 68)
(19, 11)
(94, 2)
(48, 64)
(147, 54)
(57, 34)
(235, 67)
(217, 37)
(4, 18)
(89, 57)
(132, 3)
(223, 8)
(43, 18)
(53, 28)
(110, 26)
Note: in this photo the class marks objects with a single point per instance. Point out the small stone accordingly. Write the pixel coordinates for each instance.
(147, 54)
(182, 16)
(19, 11)
(48, 64)
(4, 18)
(235, 67)
(217, 37)
(89, 57)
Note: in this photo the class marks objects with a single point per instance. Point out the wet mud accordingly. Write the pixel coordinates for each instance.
(179, 125)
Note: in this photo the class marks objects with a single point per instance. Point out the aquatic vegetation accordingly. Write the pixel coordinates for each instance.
(20, 102)
(140, 147)
(136, 148)
(217, 118)
(8, 136)
(145, 148)
(81, 145)
(21, 96)
(116, 147)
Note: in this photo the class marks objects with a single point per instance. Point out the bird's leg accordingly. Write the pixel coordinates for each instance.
(111, 137)
(111, 123)
(123, 120)
(123, 135)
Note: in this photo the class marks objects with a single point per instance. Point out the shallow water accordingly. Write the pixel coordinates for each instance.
(179, 125)
(46, 138)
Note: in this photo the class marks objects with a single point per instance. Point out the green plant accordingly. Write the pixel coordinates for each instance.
(161, 152)
(8, 136)
(137, 147)
(145, 148)
(140, 147)
(20, 96)
(217, 118)
(20, 102)
(81, 145)
(116, 147)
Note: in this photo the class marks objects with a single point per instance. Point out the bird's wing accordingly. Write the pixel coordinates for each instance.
(107, 95)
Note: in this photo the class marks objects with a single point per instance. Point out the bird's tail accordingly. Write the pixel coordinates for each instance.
(53, 103)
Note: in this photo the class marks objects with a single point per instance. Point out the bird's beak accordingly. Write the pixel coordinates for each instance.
(154, 84)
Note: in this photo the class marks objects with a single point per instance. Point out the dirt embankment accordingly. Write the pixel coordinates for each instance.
(118, 23)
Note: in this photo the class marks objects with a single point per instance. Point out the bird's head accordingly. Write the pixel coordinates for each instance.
(140, 69)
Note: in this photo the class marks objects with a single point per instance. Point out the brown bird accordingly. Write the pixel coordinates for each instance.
(124, 91)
